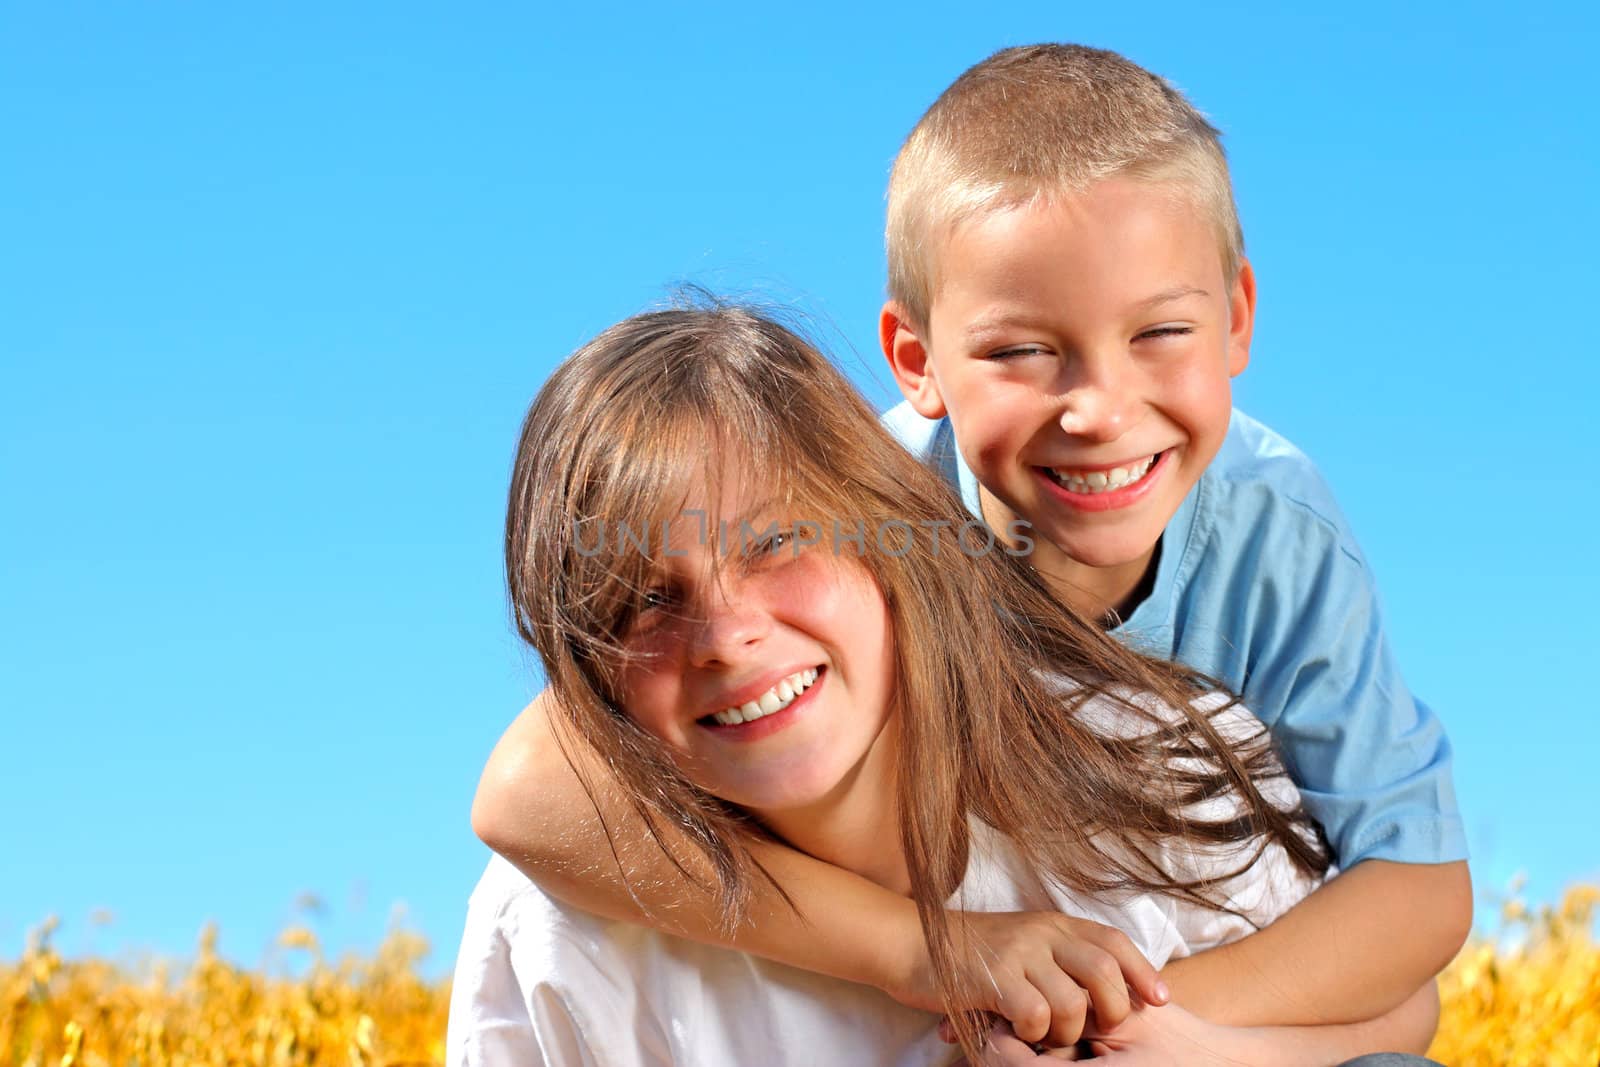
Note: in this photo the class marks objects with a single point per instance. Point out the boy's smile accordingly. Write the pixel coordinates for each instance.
(1106, 487)
(1083, 350)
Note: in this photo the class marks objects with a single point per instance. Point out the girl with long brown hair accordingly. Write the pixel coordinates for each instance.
(765, 621)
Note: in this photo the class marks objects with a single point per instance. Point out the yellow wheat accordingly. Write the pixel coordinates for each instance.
(1531, 995)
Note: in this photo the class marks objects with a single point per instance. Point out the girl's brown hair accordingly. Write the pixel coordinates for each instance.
(655, 407)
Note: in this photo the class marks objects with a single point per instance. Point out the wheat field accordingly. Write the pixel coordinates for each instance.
(1530, 995)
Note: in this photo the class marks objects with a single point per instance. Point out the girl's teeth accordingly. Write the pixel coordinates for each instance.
(1103, 481)
(777, 698)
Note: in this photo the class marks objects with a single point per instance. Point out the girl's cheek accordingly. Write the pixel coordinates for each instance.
(651, 682)
(825, 578)
(658, 644)
(649, 701)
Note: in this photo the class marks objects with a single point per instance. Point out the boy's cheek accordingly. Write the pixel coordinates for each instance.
(1202, 398)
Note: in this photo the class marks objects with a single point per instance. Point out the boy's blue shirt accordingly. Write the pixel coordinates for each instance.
(1262, 587)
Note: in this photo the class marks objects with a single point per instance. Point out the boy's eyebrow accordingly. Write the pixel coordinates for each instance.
(983, 326)
(1167, 296)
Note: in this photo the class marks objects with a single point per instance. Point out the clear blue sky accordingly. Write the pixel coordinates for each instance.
(278, 281)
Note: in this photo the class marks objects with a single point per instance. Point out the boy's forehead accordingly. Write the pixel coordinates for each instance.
(1146, 243)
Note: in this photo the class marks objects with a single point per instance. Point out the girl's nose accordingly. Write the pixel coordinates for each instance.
(732, 630)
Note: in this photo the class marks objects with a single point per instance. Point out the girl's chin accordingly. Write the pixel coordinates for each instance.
(769, 804)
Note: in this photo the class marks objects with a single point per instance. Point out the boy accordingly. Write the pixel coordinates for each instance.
(1069, 298)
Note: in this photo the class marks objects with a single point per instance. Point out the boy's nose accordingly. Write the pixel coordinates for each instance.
(1099, 407)
(1100, 417)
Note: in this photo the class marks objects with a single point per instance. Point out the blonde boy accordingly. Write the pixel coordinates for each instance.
(1069, 301)
(1069, 298)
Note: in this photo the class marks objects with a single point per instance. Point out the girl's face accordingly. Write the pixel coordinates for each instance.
(766, 667)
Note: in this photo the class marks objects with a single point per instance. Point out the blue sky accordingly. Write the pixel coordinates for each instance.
(277, 283)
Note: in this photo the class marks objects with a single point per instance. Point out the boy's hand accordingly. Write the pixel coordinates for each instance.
(1045, 973)
(1152, 1037)
(1001, 1048)
(1158, 1036)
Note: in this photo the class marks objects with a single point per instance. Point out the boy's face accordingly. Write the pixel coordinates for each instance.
(1083, 351)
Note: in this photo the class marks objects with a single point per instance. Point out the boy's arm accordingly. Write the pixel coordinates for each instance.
(1410, 1027)
(1173, 1038)
(1356, 948)
(1159, 1037)
(1313, 660)
(1040, 971)
(531, 808)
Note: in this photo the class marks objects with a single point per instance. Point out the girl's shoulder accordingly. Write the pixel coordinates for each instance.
(630, 996)
(1119, 712)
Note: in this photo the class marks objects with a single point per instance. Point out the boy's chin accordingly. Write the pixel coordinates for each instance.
(1103, 550)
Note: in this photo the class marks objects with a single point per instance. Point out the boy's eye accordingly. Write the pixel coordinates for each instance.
(1167, 331)
(1018, 350)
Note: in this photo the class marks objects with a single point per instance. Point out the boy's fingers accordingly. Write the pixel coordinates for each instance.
(1101, 978)
(1137, 971)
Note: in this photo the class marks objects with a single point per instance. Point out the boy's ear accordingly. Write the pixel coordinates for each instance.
(1241, 319)
(908, 359)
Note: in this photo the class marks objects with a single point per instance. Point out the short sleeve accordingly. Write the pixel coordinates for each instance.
(533, 994)
(1372, 762)
(583, 1015)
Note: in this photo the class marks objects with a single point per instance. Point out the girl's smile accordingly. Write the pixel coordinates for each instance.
(767, 670)
(770, 711)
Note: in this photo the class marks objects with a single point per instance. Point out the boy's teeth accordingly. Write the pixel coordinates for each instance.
(1102, 481)
(777, 698)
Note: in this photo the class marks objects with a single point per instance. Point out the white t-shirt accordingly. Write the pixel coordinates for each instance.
(541, 984)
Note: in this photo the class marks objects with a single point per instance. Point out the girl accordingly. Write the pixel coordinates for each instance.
(769, 622)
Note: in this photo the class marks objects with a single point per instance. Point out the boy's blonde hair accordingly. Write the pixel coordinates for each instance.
(1041, 121)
